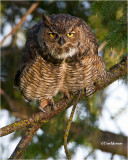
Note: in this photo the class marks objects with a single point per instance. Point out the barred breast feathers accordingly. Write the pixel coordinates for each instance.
(41, 79)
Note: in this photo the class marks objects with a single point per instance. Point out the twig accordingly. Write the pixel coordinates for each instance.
(112, 156)
(28, 135)
(68, 127)
(31, 9)
(101, 47)
(92, 150)
(114, 73)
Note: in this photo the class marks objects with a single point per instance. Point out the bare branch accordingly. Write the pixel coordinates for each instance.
(68, 127)
(28, 135)
(114, 73)
(120, 142)
(101, 47)
(100, 139)
(31, 9)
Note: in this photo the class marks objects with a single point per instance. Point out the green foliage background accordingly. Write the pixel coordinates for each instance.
(109, 23)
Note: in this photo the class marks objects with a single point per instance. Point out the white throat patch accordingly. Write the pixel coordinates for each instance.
(67, 54)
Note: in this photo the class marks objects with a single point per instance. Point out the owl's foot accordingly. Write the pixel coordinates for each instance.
(46, 102)
(43, 104)
(67, 95)
(51, 103)
(80, 91)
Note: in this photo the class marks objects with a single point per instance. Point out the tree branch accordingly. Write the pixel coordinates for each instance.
(118, 143)
(99, 139)
(28, 135)
(31, 9)
(114, 73)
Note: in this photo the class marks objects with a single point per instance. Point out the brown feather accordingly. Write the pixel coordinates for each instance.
(48, 68)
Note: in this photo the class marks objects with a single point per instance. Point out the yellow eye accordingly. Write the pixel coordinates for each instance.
(52, 34)
(70, 34)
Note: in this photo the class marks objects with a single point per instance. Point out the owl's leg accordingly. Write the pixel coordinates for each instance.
(46, 102)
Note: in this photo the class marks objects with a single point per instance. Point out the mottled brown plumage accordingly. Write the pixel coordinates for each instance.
(60, 56)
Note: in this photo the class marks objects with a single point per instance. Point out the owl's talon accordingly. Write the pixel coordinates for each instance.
(67, 95)
(80, 91)
(46, 102)
(52, 107)
(51, 103)
(42, 109)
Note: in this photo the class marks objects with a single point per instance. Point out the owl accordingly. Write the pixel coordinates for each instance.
(60, 56)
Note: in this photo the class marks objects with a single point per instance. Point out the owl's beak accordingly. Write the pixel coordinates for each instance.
(61, 41)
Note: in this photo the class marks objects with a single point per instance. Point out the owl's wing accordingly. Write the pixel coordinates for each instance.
(22, 65)
(30, 51)
(90, 44)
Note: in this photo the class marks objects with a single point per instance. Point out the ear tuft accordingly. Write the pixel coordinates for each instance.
(46, 19)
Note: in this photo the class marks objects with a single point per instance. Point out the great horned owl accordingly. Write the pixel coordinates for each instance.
(61, 55)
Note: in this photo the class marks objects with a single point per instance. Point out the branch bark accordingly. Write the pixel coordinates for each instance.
(114, 73)
(31, 9)
(110, 142)
(103, 140)
(28, 135)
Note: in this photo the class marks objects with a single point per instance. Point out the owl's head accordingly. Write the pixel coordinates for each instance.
(64, 36)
